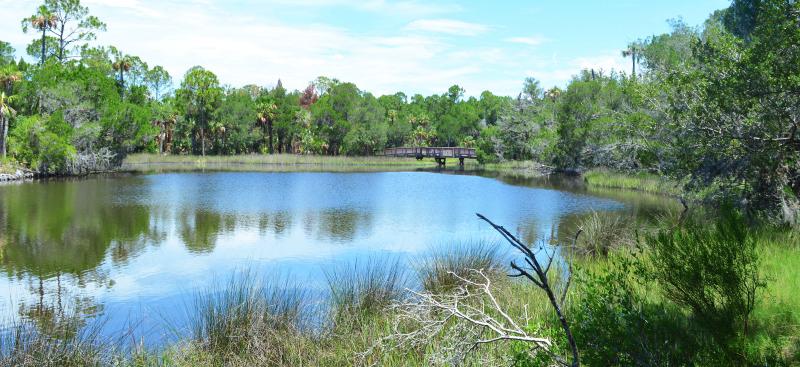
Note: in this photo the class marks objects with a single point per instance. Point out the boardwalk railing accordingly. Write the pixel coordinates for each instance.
(432, 152)
(440, 154)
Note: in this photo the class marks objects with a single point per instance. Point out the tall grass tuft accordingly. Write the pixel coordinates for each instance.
(364, 289)
(245, 316)
(68, 342)
(642, 181)
(438, 270)
(605, 232)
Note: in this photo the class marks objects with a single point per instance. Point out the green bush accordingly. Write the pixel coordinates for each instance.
(41, 144)
(615, 324)
(711, 270)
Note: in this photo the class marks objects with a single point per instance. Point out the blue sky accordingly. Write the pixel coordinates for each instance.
(383, 46)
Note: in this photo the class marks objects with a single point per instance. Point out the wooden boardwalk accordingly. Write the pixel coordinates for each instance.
(440, 154)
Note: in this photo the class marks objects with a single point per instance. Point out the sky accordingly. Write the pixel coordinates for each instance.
(383, 46)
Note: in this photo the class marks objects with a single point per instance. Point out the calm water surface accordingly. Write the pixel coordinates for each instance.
(139, 247)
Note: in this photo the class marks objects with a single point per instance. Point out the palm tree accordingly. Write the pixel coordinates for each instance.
(553, 94)
(123, 65)
(8, 77)
(266, 115)
(6, 112)
(218, 129)
(43, 20)
(164, 137)
(634, 52)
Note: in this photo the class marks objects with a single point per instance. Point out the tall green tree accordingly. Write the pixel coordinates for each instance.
(633, 51)
(42, 21)
(74, 26)
(199, 97)
(159, 81)
(267, 111)
(6, 53)
(122, 66)
(736, 116)
(6, 112)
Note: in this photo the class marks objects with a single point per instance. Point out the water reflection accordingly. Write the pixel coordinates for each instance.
(113, 245)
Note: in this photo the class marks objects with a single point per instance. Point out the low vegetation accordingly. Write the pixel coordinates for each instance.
(705, 291)
(642, 181)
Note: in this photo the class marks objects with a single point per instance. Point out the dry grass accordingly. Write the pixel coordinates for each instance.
(274, 162)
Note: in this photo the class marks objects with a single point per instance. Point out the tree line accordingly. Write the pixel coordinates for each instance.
(714, 105)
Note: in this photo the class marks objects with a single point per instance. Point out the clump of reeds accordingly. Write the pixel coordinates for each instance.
(440, 270)
(249, 318)
(605, 232)
(66, 342)
(365, 288)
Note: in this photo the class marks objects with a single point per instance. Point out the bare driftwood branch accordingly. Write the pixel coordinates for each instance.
(459, 322)
(538, 275)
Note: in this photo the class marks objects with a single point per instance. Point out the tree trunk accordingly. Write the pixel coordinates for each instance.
(4, 132)
(269, 128)
(61, 44)
(203, 141)
(44, 33)
(162, 136)
(121, 82)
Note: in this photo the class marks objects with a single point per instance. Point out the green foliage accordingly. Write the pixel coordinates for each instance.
(669, 51)
(711, 270)
(617, 324)
(439, 271)
(41, 143)
(489, 146)
(735, 115)
(6, 53)
(198, 99)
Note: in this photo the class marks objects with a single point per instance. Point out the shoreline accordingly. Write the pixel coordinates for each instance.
(155, 163)
(18, 176)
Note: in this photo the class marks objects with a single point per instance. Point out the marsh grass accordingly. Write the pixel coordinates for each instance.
(365, 288)
(438, 271)
(274, 162)
(604, 233)
(246, 315)
(67, 342)
(643, 181)
(253, 320)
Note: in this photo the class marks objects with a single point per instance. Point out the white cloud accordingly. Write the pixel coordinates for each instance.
(246, 42)
(530, 41)
(447, 26)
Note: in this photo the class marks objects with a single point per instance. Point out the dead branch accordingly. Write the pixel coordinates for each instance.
(468, 317)
(538, 275)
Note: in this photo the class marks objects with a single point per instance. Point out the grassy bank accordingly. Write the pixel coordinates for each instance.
(277, 162)
(645, 182)
(370, 318)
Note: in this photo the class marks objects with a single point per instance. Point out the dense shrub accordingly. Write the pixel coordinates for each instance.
(36, 142)
(617, 325)
(711, 270)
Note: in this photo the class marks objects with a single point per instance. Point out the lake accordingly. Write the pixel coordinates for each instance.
(136, 249)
